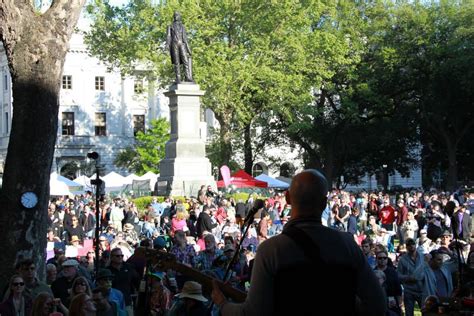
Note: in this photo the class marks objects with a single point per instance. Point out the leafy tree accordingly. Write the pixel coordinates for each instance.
(35, 45)
(426, 56)
(327, 74)
(247, 55)
(345, 106)
(147, 152)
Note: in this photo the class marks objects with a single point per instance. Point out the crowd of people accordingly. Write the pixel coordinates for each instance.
(390, 251)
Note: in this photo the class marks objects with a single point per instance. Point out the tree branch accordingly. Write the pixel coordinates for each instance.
(464, 130)
(12, 14)
(64, 14)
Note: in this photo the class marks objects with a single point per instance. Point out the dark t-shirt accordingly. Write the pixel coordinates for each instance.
(343, 210)
(110, 312)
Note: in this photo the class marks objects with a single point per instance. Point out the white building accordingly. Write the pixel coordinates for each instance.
(99, 110)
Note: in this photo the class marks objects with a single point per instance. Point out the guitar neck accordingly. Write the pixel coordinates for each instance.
(168, 261)
(206, 281)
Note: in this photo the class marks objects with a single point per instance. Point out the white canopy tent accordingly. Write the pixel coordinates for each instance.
(114, 182)
(59, 185)
(84, 180)
(129, 179)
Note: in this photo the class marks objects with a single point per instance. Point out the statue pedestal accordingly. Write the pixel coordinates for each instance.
(185, 166)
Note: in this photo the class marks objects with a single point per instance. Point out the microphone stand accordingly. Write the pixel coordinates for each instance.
(457, 246)
(97, 181)
(147, 287)
(237, 251)
(248, 221)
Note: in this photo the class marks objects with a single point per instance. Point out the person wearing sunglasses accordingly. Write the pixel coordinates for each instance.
(79, 285)
(392, 283)
(26, 268)
(17, 303)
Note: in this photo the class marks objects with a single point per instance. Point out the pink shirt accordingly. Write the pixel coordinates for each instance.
(178, 224)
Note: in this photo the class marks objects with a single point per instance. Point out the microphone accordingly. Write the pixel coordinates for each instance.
(257, 205)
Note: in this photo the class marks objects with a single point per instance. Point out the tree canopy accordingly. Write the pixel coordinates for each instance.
(324, 74)
(148, 150)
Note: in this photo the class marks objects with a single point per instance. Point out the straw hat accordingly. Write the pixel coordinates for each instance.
(192, 290)
(128, 226)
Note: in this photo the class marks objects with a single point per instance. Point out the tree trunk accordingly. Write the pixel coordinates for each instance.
(452, 176)
(328, 167)
(248, 155)
(226, 142)
(36, 47)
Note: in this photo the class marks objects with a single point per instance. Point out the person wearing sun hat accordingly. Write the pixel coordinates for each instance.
(190, 301)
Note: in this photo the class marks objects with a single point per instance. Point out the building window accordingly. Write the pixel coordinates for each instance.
(100, 124)
(6, 122)
(287, 170)
(100, 83)
(138, 124)
(257, 169)
(68, 123)
(67, 82)
(5, 82)
(138, 86)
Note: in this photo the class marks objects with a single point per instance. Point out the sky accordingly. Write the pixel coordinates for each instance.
(118, 2)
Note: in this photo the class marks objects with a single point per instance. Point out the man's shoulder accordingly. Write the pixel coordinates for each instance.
(40, 284)
(116, 293)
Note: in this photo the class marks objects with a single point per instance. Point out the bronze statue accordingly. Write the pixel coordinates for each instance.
(177, 43)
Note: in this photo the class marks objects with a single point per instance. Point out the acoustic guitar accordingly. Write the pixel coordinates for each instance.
(165, 261)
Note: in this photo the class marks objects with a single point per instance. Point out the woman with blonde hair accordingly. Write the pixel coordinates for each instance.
(17, 303)
(178, 222)
(82, 305)
(79, 286)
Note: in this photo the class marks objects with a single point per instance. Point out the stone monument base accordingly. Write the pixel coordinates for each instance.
(183, 176)
(185, 167)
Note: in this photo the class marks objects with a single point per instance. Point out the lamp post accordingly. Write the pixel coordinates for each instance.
(97, 182)
(385, 177)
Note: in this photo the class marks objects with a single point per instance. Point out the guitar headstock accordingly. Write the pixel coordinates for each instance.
(162, 259)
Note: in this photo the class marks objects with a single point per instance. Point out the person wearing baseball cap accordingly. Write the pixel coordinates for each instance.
(62, 285)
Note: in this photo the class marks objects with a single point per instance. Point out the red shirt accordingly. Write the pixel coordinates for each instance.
(387, 215)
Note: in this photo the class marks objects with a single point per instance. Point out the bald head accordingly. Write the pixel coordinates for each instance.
(308, 194)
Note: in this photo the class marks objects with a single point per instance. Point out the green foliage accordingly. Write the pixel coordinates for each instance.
(425, 64)
(322, 74)
(142, 203)
(147, 152)
(248, 56)
(245, 196)
(214, 154)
